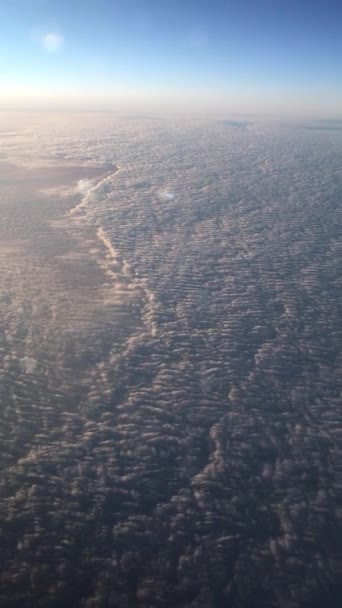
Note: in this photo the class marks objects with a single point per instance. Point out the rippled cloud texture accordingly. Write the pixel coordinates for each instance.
(170, 364)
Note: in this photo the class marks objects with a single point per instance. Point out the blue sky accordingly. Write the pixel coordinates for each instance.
(261, 54)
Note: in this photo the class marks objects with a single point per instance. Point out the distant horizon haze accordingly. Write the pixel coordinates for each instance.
(263, 57)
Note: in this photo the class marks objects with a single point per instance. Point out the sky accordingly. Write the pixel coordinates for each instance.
(239, 56)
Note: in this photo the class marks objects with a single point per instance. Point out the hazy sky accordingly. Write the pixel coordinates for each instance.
(224, 55)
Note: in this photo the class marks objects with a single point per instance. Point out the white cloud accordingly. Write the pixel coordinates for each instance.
(52, 42)
(166, 195)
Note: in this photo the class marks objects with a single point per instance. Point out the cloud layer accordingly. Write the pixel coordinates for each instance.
(170, 368)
